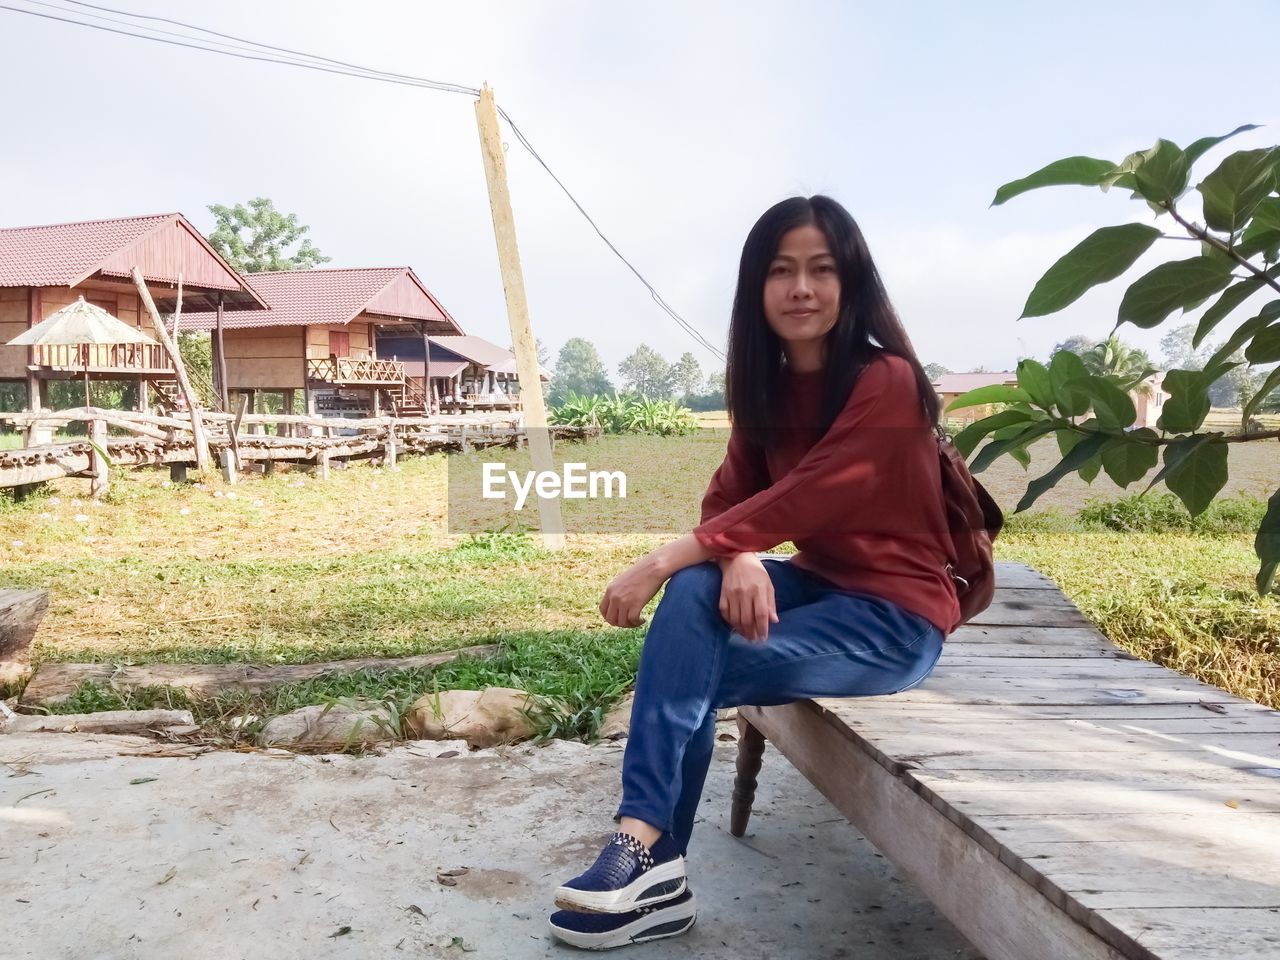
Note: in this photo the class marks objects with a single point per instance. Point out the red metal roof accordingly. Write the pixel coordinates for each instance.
(337, 296)
(162, 246)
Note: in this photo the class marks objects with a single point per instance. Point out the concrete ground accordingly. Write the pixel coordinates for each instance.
(108, 853)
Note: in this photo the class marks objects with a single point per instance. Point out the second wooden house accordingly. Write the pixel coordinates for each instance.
(319, 336)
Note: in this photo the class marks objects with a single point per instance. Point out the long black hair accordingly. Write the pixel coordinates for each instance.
(754, 369)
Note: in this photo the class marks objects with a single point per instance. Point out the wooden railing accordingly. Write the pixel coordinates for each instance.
(102, 356)
(349, 370)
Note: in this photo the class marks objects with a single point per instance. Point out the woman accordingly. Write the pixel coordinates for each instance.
(832, 448)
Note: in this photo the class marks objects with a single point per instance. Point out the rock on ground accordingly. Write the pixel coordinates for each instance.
(336, 725)
(484, 718)
(617, 722)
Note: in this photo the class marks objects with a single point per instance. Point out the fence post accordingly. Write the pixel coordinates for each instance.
(389, 455)
(97, 461)
(228, 458)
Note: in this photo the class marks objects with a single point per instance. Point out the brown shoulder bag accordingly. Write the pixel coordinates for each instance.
(974, 521)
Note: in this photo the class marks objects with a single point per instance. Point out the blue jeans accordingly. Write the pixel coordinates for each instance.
(827, 642)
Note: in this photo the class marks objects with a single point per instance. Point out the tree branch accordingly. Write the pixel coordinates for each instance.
(1165, 441)
(1200, 233)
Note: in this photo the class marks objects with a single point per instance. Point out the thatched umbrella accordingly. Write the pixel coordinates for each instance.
(80, 323)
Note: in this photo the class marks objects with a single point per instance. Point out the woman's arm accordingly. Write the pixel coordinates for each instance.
(628, 592)
(857, 477)
(742, 474)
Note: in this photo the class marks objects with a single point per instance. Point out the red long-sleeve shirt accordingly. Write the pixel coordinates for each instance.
(862, 502)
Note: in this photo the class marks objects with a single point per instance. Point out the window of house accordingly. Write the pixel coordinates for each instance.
(339, 343)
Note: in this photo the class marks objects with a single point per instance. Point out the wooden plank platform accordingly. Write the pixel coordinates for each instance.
(1057, 798)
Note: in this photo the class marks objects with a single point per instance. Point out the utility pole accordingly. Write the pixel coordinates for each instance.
(526, 350)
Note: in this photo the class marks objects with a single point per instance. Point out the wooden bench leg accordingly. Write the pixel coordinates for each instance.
(750, 758)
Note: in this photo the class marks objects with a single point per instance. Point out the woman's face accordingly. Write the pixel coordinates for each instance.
(802, 288)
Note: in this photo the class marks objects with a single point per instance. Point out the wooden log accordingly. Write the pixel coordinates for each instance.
(108, 721)
(20, 614)
(175, 357)
(389, 449)
(54, 682)
(124, 419)
(322, 464)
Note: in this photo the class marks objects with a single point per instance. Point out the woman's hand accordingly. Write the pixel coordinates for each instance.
(746, 596)
(629, 591)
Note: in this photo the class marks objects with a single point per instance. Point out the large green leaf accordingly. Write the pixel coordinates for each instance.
(1103, 255)
(1128, 459)
(1162, 175)
(1172, 286)
(1112, 406)
(1082, 171)
(968, 438)
(1267, 545)
(1268, 385)
(1018, 449)
(1199, 147)
(1231, 298)
(1177, 452)
(1065, 367)
(1033, 377)
(995, 393)
(1239, 184)
(1080, 454)
(1265, 347)
(987, 455)
(1244, 333)
(1188, 403)
(1199, 477)
(1265, 241)
(1263, 232)
(1068, 440)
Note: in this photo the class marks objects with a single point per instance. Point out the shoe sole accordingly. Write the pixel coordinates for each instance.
(676, 920)
(664, 882)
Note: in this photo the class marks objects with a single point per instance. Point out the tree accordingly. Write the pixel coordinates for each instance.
(578, 370)
(935, 371)
(1090, 416)
(645, 372)
(1077, 343)
(267, 235)
(1127, 367)
(686, 375)
(544, 355)
(711, 395)
(1182, 351)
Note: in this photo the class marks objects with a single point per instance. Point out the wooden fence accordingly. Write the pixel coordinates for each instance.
(237, 440)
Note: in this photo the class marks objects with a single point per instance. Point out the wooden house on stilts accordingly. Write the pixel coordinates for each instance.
(319, 336)
(43, 269)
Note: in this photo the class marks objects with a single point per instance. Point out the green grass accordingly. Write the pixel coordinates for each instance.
(575, 678)
(366, 564)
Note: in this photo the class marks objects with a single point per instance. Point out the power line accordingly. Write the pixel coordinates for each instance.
(245, 49)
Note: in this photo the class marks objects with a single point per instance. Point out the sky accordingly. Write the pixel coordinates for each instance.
(675, 124)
